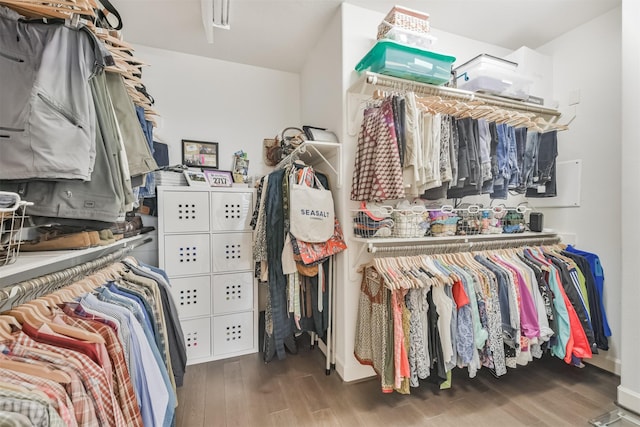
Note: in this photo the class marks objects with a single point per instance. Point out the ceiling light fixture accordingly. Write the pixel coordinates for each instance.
(215, 14)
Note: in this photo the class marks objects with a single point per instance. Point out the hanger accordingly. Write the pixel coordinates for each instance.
(20, 388)
(36, 369)
(5, 331)
(30, 314)
(76, 332)
(27, 314)
(379, 94)
(36, 10)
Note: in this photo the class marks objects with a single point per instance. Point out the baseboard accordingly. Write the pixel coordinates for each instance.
(629, 399)
(605, 363)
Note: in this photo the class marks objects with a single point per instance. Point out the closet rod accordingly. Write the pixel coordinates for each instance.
(464, 247)
(374, 79)
(28, 290)
(323, 149)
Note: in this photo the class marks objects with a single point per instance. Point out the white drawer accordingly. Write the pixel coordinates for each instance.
(232, 292)
(232, 251)
(232, 333)
(197, 337)
(192, 295)
(185, 211)
(231, 211)
(187, 254)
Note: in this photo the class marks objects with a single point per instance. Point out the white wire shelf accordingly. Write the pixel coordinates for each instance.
(318, 149)
(386, 241)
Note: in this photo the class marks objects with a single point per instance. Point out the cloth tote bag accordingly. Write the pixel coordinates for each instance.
(311, 209)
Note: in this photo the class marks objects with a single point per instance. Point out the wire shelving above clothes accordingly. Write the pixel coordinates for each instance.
(369, 82)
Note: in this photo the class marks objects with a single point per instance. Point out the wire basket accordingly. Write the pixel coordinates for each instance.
(470, 222)
(514, 221)
(443, 222)
(491, 222)
(12, 216)
(409, 222)
(376, 223)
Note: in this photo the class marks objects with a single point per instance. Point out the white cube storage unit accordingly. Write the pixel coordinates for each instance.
(205, 245)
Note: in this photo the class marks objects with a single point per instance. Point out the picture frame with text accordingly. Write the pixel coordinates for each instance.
(218, 178)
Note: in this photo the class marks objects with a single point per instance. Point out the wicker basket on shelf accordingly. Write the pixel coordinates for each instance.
(404, 18)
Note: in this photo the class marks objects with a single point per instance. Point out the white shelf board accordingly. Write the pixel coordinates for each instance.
(33, 264)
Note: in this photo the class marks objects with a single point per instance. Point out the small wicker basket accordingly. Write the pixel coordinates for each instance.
(407, 19)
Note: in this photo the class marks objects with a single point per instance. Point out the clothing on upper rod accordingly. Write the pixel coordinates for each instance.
(409, 149)
(422, 315)
(132, 356)
(88, 149)
(454, 95)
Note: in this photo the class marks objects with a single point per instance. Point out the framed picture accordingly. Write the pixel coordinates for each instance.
(217, 178)
(240, 169)
(200, 154)
(196, 178)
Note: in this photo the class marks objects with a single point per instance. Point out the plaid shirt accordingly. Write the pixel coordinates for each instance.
(14, 419)
(123, 387)
(58, 395)
(84, 313)
(93, 377)
(83, 409)
(38, 410)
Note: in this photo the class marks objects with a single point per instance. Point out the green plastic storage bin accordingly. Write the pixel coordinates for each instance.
(407, 62)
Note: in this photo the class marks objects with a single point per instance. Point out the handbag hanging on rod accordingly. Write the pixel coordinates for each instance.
(311, 254)
(311, 209)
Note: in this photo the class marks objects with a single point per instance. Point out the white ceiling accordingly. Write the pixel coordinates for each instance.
(276, 34)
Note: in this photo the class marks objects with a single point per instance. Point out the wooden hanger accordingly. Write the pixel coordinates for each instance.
(76, 332)
(37, 370)
(11, 322)
(35, 9)
(5, 332)
(30, 313)
(19, 388)
(27, 314)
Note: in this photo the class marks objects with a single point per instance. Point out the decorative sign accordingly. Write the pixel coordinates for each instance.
(218, 178)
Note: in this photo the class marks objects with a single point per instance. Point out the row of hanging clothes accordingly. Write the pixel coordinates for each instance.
(87, 347)
(297, 274)
(74, 142)
(421, 316)
(433, 148)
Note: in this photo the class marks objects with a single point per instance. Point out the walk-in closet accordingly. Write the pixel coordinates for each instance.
(319, 213)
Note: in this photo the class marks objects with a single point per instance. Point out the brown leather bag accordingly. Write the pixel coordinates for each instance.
(276, 149)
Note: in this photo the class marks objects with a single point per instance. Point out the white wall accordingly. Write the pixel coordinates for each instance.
(321, 92)
(211, 100)
(629, 389)
(587, 60)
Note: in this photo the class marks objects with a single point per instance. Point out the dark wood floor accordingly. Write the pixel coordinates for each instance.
(243, 391)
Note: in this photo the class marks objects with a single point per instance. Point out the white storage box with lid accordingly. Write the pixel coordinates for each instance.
(492, 75)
